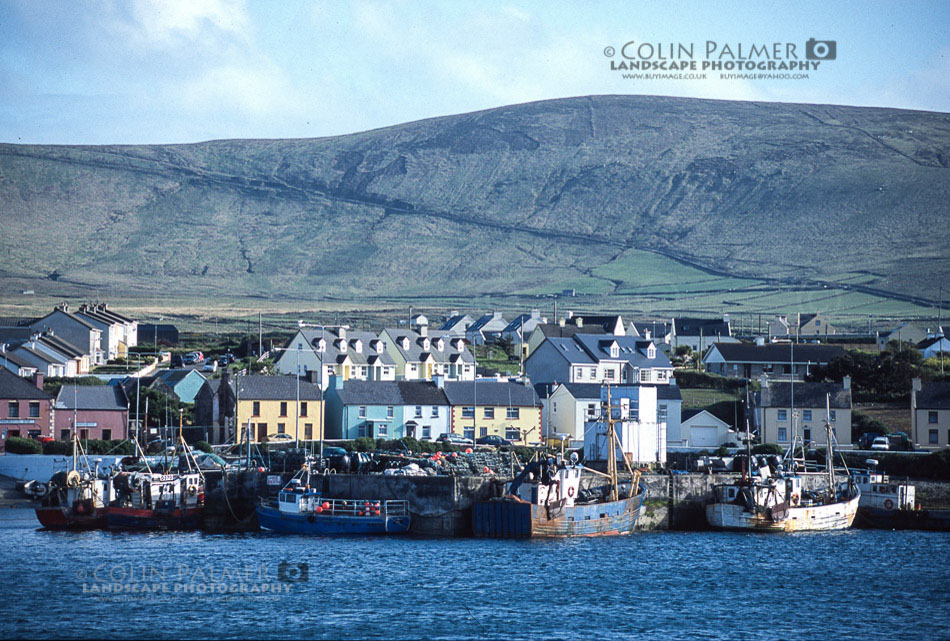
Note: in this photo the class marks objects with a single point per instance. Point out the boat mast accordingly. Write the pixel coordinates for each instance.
(829, 462)
(611, 450)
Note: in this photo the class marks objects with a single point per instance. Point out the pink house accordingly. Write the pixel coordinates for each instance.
(97, 411)
(25, 408)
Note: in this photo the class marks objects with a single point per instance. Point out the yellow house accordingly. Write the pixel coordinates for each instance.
(507, 409)
(268, 405)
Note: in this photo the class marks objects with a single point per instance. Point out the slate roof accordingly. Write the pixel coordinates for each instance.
(933, 396)
(668, 393)
(391, 393)
(334, 348)
(809, 395)
(606, 322)
(554, 330)
(632, 349)
(421, 393)
(258, 387)
(92, 397)
(16, 360)
(417, 352)
(39, 323)
(583, 390)
(13, 387)
(924, 344)
(778, 352)
(62, 346)
(485, 320)
(592, 390)
(657, 329)
(706, 326)
(491, 393)
(452, 321)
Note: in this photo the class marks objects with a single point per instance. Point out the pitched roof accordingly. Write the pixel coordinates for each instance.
(607, 322)
(490, 393)
(421, 393)
(91, 397)
(778, 352)
(14, 387)
(416, 351)
(924, 344)
(68, 315)
(934, 395)
(356, 392)
(555, 330)
(809, 395)
(485, 320)
(631, 349)
(704, 326)
(592, 390)
(340, 348)
(452, 321)
(258, 387)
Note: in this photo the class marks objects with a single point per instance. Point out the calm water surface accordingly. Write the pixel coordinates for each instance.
(850, 585)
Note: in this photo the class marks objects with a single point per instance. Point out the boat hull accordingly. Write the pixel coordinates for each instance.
(330, 525)
(63, 518)
(508, 518)
(834, 516)
(125, 518)
(884, 519)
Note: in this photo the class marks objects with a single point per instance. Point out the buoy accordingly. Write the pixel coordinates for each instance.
(261, 470)
(326, 505)
(319, 509)
(377, 511)
(468, 450)
(487, 470)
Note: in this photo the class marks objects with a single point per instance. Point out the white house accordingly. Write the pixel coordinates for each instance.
(642, 436)
(702, 429)
(593, 358)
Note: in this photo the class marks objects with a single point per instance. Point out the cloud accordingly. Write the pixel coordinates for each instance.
(171, 22)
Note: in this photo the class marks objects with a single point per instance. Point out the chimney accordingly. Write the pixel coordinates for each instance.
(313, 376)
(570, 314)
(915, 384)
(579, 321)
(846, 383)
(38, 379)
(439, 381)
(561, 322)
(764, 380)
(423, 330)
(646, 334)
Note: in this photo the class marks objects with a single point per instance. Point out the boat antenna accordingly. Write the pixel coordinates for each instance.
(829, 459)
(611, 451)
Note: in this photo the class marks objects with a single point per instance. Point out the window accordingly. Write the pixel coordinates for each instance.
(84, 434)
(435, 412)
(593, 373)
(257, 409)
(382, 430)
(513, 413)
(553, 406)
(418, 411)
(806, 415)
(469, 433)
(13, 433)
(14, 411)
(489, 412)
(614, 351)
(609, 374)
(280, 428)
(931, 417)
(787, 369)
(35, 410)
(468, 412)
(308, 431)
(283, 408)
(783, 435)
(512, 434)
(933, 437)
(362, 411)
(64, 435)
(390, 412)
(591, 410)
(426, 431)
(783, 415)
(303, 408)
(482, 431)
(106, 435)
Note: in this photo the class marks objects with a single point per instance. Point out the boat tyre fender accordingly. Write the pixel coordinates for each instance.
(570, 491)
(192, 490)
(795, 499)
(889, 504)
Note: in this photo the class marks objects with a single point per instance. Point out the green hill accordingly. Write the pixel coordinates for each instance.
(606, 194)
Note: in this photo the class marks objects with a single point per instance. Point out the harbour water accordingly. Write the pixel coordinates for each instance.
(858, 584)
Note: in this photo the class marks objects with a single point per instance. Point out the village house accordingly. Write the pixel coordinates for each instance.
(422, 355)
(784, 410)
(593, 358)
(75, 330)
(701, 429)
(214, 407)
(487, 329)
(783, 360)
(934, 345)
(97, 411)
(25, 409)
(801, 325)
(508, 409)
(930, 413)
(336, 351)
(699, 333)
(268, 406)
(387, 409)
(182, 384)
(574, 324)
(456, 325)
(118, 333)
(910, 332)
(517, 330)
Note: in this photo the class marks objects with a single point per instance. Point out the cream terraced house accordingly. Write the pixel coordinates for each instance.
(930, 414)
(786, 409)
(336, 351)
(268, 406)
(421, 355)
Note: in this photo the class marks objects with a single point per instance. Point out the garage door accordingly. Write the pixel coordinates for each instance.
(703, 436)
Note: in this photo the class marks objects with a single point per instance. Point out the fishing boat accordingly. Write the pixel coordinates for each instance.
(77, 498)
(301, 509)
(545, 499)
(157, 500)
(781, 502)
(891, 505)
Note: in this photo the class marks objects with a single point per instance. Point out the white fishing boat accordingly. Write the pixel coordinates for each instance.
(782, 503)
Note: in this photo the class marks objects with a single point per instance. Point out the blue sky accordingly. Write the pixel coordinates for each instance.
(131, 71)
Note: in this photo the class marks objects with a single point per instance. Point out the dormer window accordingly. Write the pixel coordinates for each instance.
(614, 350)
(426, 344)
(439, 344)
(358, 346)
(320, 344)
(376, 345)
(404, 343)
(651, 352)
(341, 345)
(459, 344)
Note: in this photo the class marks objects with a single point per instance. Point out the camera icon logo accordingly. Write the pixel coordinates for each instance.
(293, 572)
(821, 49)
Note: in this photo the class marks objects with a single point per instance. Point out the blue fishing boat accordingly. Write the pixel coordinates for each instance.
(301, 509)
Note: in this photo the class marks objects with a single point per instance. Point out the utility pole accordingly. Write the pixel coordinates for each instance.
(260, 334)
(297, 411)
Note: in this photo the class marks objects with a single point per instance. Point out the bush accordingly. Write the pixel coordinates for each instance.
(768, 448)
(19, 445)
(701, 380)
(364, 444)
(204, 446)
(58, 447)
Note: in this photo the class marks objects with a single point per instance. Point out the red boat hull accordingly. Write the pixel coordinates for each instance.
(63, 518)
(127, 518)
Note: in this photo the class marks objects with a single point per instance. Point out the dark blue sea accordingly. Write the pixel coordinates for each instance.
(858, 585)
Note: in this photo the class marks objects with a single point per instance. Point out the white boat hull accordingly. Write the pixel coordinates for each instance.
(833, 516)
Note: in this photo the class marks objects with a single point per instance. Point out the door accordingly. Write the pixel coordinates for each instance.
(261, 432)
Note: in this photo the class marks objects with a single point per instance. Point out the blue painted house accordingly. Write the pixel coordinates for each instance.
(386, 409)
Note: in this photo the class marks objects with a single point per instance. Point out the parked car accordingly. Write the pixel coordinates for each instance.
(177, 361)
(880, 443)
(492, 440)
(210, 366)
(454, 439)
(280, 438)
(226, 359)
(189, 359)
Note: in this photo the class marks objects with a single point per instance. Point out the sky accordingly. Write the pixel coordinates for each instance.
(179, 71)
